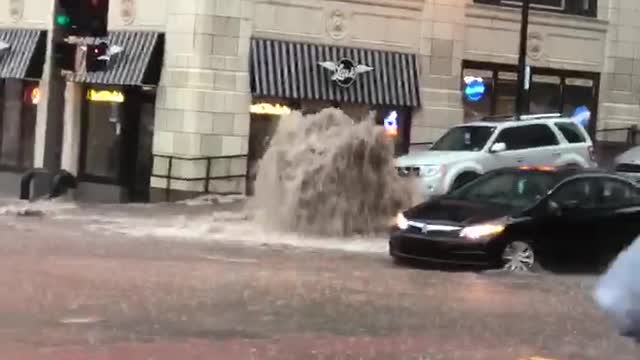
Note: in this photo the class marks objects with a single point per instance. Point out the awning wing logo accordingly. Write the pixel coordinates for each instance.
(345, 71)
(4, 46)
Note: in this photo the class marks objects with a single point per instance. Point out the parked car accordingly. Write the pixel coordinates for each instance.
(467, 151)
(524, 219)
(628, 163)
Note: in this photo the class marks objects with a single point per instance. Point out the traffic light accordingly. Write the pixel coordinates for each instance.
(97, 57)
(82, 17)
(64, 55)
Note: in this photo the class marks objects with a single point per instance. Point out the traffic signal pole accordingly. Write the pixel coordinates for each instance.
(50, 118)
(524, 77)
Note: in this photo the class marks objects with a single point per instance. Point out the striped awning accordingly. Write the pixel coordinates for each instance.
(131, 66)
(18, 60)
(293, 70)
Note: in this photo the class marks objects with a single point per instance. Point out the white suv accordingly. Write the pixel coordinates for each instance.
(470, 150)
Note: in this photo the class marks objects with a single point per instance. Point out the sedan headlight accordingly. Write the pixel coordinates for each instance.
(402, 222)
(431, 170)
(482, 231)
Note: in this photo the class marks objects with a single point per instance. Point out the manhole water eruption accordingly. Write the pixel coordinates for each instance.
(325, 174)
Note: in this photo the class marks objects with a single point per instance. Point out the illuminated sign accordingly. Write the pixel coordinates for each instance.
(32, 95)
(270, 109)
(474, 88)
(105, 96)
(581, 116)
(391, 124)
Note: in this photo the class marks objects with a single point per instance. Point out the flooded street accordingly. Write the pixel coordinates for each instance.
(183, 282)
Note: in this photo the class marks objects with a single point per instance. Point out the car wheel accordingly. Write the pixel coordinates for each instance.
(519, 257)
(463, 179)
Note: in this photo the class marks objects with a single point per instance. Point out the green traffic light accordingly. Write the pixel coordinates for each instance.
(63, 20)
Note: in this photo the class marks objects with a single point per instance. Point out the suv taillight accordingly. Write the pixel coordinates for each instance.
(592, 154)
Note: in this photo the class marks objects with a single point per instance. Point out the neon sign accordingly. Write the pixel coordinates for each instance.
(474, 88)
(581, 116)
(270, 109)
(105, 96)
(32, 95)
(391, 124)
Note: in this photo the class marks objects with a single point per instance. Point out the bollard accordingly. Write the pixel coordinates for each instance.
(61, 183)
(25, 182)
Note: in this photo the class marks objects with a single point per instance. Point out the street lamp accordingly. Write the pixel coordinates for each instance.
(522, 95)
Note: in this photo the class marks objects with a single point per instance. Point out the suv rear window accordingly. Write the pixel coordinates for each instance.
(527, 136)
(571, 132)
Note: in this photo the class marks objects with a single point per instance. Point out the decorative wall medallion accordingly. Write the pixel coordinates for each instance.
(128, 11)
(16, 9)
(534, 45)
(336, 25)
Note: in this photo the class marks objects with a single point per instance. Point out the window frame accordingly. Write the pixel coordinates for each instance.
(83, 175)
(590, 179)
(520, 128)
(599, 200)
(569, 7)
(23, 163)
(565, 75)
(560, 125)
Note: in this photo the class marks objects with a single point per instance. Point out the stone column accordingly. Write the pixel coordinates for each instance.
(620, 81)
(72, 128)
(49, 122)
(202, 107)
(440, 60)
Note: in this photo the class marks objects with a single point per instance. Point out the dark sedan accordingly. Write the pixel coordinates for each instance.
(524, 219)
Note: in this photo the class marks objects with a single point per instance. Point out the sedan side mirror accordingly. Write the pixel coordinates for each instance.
(498, 147)
(553, 208)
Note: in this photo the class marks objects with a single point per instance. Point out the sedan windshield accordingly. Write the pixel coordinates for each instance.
(513, 189)
(464, 138)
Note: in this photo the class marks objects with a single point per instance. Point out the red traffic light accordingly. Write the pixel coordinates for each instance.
(99, 49)
(96, 59)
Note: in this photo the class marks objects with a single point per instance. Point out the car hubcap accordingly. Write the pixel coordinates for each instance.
(518, 257)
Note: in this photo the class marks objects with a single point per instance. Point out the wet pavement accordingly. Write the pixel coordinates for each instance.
(80, 283)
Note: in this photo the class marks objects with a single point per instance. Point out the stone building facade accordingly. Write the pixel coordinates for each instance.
(220, 57)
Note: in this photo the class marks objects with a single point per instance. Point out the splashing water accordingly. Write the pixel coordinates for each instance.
(618, 292)
(325, 174)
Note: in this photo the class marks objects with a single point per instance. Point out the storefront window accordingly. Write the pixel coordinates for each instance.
(506, 90)
(18, 124)
(579, 98)
(570, 93)
(28, 126)
(396, 122)
(477, 92)
(102, 135)
(545, 94)
(10, 150)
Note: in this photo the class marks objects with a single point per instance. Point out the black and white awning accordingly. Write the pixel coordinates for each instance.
(322, 72)
(22, 53)
(138, 63)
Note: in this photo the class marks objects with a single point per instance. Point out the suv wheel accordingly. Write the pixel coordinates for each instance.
(463, 179)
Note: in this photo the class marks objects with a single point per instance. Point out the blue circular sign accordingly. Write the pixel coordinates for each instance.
(582, 115)
(474, 89)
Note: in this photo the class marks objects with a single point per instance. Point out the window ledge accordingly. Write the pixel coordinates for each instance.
(538, 17)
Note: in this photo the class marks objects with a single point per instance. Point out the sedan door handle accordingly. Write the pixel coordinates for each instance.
(520, 160)
(557, 153)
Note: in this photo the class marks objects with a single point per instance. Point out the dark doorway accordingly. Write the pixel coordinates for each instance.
(117, 139)
(143, 143)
